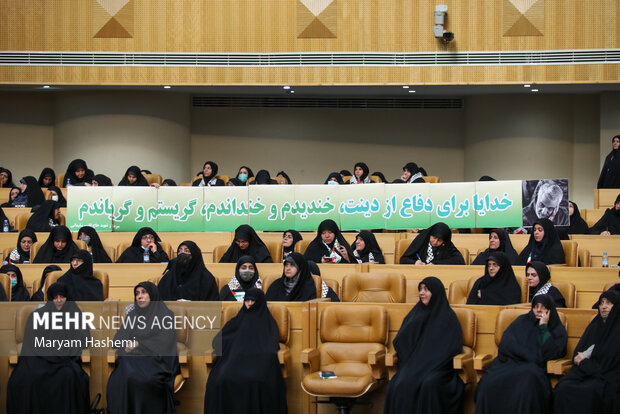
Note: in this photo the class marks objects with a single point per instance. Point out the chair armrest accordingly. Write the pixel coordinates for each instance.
(464, 364)
(391, 359)
(210, 357)
(183, 357)
(376, 360)
(559, 366)
(482, 361)
(185, 363)
(13, 357)
(310, 360)
(284, 357)
(85, 356)
(391, 362)
(111, 356)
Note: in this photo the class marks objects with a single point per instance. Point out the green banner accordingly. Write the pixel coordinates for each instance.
(178, 209)
(224, 208)
(407, 206)
(362, 210)
(301, 207)
(313, 204)
(498, 204)
(134, 208)
(90, 206)
(453, 204)
(276, 214)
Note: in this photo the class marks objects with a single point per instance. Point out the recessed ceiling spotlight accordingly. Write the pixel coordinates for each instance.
(292, 91)
(534, 90)
(167, 87)
(46, 86)
(527, 85)
(286, 87)
(405, 86)
(411, 91)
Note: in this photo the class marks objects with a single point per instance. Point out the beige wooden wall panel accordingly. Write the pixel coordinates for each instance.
(270, 26)
(252, 25)
(309, 76)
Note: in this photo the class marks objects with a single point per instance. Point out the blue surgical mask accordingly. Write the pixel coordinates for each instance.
(242, 177)
(13, 283)
(330, 182)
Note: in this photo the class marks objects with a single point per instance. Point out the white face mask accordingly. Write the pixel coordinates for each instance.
(55, 197)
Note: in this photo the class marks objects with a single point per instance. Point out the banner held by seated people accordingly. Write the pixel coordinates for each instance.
(303, 207)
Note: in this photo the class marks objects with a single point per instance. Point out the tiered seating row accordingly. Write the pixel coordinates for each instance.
(304, 333)
(5, 194)
(589, 282)
(473, 243)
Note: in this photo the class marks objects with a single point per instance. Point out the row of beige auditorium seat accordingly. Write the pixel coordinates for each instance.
(18, 217)
(151, 178)
(582, 250)
(346, 178)
(157, 179)
(5, 194)
(368, 283)
(275, 249)
(347, 337)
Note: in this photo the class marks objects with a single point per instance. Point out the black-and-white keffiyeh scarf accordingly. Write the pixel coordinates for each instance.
(429, 254)
(371, 257)
(414, 177)
(353, 180)
(210, 183)
(324, 290)
(544, 289)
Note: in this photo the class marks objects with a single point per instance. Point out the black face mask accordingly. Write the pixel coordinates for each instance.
(184, 258)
